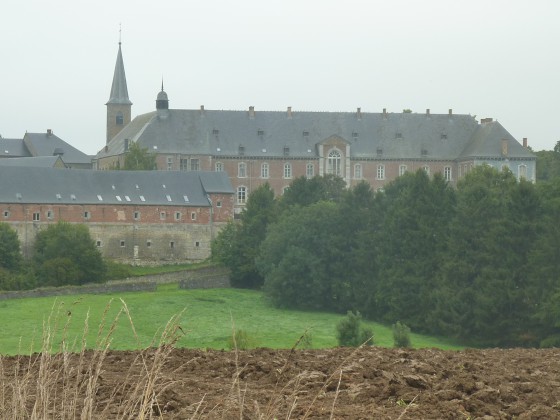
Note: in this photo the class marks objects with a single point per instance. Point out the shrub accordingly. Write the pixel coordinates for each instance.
(240, 340)
(401, 335)
(117, 271)
(350, 332)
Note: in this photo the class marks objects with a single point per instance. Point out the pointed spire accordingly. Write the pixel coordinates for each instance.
(119, 91)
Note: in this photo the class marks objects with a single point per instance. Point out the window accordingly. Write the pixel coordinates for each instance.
(242, 170)
(119, 120)
(169, 163)
(219, 204)
(357, 171)
(197, 244)
(260, 133)
(172, 244)
(398, 135)
(219, 167)
(98, 244)
(162, 215)
(287, 170)
(241, 195)
(447, 173)
(309, 170)
(86, 215)
(402, 170)
(379, 152)
(6, 214)
(178, 215)
(36, 217)
(122, 244)
(380, 172)
(264, 170)
(136, 215)
(426, 169)
(286, 151)
(184, 164)
(195, 165)
(193, 216)
(142, 198)
(186, 198)
(168, 197)
(354, 135)
(99, 197)
(148, 243)
(241, 150)
(522, 171)
(118, 197)
(444, 136)
(306, 134)
(333, 163)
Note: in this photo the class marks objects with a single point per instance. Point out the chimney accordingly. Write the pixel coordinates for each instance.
(49, 132)
(504, 147)
(525, 142)
(450, 112)
(384, 113)
(251, 112)
(201, 108)
(486, 120)
(427, 112)
(359, 113)
(289, 112)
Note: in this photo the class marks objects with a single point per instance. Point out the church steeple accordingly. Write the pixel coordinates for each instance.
(119, 105)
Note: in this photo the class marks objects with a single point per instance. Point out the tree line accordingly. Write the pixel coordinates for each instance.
(480, 262)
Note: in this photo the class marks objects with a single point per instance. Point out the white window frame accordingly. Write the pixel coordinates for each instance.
(522, 171)
(448, 173)
(334, 162)
(380, 173)
(403, 169)
(242, 170)
(241, 195)
(309, 170)
(265, 170)
(287, 170)
(358, 171)
(219, 167)
(426, 169)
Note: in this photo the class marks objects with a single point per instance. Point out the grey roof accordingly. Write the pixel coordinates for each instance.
(13, 148)
(119, 90)
(77, 186)
(40, 161)
(45, 144)
(269, 133)
(484, 145)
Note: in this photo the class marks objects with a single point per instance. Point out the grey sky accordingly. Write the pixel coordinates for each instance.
(492, 58)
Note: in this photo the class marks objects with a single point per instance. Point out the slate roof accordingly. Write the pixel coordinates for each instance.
(483, 146)
(45, 144)
(82, 186)
(269, 133)
(13, 148)
(119, 90)
(40, 161)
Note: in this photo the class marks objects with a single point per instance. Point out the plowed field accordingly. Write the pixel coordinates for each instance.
(368, 383)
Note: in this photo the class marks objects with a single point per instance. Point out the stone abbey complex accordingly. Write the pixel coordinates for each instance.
(209, 161)
(254, 147)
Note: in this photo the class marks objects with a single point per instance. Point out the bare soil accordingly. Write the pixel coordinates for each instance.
(367, 383)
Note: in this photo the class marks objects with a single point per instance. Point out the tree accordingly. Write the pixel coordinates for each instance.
(304, 191)
(10, 253)
(415, 214)
(237, 246)
(138, 158)
(64, 253)
(351, 333)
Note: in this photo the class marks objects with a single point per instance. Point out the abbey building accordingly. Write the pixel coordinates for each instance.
(254, 147)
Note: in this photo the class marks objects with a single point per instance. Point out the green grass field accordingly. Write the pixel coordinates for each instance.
(207, 318)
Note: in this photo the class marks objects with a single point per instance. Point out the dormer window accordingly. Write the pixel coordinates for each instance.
(241, 150)
(306, 134)
(424, 152)
(286, 151)
(354, 135)
(444, 136)
(260, 133)
(379, 151)
(398, 135)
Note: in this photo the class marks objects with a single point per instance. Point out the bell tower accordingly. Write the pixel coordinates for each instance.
(119, 106)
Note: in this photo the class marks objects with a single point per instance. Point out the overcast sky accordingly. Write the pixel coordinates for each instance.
(489, 58)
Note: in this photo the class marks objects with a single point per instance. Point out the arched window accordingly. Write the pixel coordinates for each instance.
(380, 171)
(333, 163)
(522, 172)
(287, 170)
(119, 119)
(402, 170)
(357, 171)
(264, 170)
(310, 170)
(242, 170)
(241, 195)
(448, 175)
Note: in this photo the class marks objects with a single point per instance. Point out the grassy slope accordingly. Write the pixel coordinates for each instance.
(207, 320)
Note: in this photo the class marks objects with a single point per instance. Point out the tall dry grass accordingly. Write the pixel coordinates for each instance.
(62, 380)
